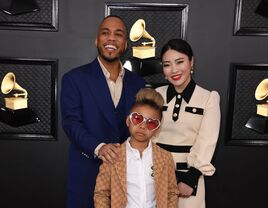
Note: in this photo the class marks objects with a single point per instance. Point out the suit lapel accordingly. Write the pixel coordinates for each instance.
(121, 169)
(100, 91)
(128, 90)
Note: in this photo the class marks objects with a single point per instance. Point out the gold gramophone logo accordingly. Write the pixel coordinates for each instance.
(259, 122)
(16, 111)
(147, 49)
(18, 100)
(261, 94)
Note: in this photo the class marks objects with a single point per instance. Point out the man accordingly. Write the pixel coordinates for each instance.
(95, 101)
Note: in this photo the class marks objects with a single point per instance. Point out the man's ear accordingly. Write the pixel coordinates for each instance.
(96, 42)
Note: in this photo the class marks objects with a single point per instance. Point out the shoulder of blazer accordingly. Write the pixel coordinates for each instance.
(131, 76)
(81, 72)
(88, 68)
(201, 89)
(201, 93)
(162, 90)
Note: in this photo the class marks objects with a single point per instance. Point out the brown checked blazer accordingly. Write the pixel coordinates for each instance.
(111, 185)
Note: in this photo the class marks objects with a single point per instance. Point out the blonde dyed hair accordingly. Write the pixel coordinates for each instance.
(150, 94)
(149, 97)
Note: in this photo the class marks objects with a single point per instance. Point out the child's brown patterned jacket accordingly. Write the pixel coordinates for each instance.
(110, 190)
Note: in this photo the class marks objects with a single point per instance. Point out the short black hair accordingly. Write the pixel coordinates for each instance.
(118, 17)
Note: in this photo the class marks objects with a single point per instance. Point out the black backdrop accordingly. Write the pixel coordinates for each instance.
(33, 173)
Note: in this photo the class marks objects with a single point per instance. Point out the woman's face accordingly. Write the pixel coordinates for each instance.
(177, 68)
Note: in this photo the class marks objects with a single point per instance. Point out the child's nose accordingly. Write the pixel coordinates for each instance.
(143, 125)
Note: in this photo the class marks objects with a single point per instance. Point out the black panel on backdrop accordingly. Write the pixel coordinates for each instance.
(15, 7)
(39, 78)
(242, 104)
(29, 15)
(262, 8)
(163, 21)
(251, 18)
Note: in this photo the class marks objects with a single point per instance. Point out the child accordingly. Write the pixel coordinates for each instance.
(145, 175)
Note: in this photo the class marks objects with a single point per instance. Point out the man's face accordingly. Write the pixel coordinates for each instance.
(112, 39)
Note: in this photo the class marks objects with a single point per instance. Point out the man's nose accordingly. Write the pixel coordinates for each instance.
(111, 36)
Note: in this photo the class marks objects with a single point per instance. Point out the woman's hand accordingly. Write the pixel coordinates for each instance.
(185, 190)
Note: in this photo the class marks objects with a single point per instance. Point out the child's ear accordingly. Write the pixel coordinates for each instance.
(127, 121)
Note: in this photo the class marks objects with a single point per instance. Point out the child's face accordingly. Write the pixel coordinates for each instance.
(145, 130)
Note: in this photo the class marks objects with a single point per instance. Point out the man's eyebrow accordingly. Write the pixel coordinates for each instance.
(120, 30)
(116, 30)
(104, 28)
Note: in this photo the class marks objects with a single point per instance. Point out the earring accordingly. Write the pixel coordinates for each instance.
(192, 70)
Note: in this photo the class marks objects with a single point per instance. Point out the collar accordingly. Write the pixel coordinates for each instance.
(186, 94)
(133, 150)
(107, 73)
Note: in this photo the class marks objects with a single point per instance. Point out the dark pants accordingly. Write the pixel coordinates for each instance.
(77, 200)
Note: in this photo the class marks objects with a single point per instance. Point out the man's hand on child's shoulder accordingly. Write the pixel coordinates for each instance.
(110, 152)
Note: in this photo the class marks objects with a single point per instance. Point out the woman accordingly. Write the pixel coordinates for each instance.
(191, 122)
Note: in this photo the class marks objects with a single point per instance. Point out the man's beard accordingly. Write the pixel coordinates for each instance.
(110, 59)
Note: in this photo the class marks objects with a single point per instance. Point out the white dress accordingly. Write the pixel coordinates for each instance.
(190, 129)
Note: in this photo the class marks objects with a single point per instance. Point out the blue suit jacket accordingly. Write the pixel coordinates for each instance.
(88, 118)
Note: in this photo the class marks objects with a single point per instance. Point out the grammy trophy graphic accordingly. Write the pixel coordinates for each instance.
(144, 61)
(16, 111)
(259, 122)
(147, 49)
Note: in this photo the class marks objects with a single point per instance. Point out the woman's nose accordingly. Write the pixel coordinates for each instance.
(174, 69)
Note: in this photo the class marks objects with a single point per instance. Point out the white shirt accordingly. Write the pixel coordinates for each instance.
(114, 87)
(140, 181)
(115, 91)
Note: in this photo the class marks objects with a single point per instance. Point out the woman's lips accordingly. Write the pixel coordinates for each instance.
(176, 77)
